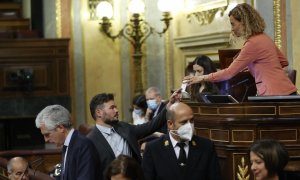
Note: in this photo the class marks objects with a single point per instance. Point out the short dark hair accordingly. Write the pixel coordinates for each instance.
(141, 102)
(98, 102)
(126, 166)
(274, 154)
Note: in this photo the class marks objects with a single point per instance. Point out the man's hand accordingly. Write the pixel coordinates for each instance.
(148, 113)
(175, 97)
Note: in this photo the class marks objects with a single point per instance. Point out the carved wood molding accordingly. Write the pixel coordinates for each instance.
(280, 32)
(206, 17)
(277, 23)
(205, 40)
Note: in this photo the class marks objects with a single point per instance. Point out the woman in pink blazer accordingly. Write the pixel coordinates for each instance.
(259, 54)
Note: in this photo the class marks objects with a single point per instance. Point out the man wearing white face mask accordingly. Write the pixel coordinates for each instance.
(180, 154)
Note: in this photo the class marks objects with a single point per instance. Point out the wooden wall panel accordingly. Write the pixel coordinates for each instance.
(47, 59)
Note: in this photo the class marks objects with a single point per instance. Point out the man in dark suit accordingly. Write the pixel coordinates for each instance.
(80, 160)
(113, 137)
(155, 106)
(180, 155)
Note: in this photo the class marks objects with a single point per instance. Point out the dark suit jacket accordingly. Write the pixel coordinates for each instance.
(131, 133)
(160, 161)
(164, 128)
(82, 162)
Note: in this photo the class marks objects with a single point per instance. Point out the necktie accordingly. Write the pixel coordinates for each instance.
(63, 161)
(182, 154)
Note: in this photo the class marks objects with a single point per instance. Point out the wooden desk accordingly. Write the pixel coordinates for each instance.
(234, 127)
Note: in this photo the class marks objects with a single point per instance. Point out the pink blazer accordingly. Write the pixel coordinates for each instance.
(265, 62)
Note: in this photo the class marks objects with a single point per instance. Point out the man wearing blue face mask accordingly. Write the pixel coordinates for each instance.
(155, 105)
(180, 154)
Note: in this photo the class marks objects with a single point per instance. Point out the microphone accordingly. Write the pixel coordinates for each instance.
(247, 88)
(236, 84)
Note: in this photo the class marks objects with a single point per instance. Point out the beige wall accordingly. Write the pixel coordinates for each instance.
(101, 62)
(295, 4)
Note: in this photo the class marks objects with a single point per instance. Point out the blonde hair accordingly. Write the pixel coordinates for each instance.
(253, 23)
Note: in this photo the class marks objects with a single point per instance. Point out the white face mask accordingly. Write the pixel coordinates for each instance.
(185, 132)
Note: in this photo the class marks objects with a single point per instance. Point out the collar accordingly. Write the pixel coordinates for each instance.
(156, 110)
(174, 142)
(103, 129)
(68, 139)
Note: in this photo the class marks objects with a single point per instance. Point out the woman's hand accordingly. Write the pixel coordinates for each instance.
(193, 79)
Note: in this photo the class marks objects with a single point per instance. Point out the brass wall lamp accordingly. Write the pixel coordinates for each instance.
(136, 31)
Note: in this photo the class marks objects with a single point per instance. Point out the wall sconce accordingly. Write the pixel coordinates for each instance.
(92, 5)
(136, 31)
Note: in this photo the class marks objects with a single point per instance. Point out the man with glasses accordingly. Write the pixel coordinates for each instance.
(80, 160)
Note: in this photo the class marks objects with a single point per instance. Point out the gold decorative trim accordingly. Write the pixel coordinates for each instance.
(144, 69)
(204, 132)
(294, 113)
(277, 23)
(280, 132)
(219, 140)
(196, 109)
(206, 17)
(236, 131)
(58, 18)
(92, 4)
(234, 163)
(243, 171)
(167, 63)
(202, 129)
(218, 109)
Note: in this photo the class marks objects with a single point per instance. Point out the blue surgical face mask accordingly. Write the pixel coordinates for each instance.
(152, 104)
(138, 112)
